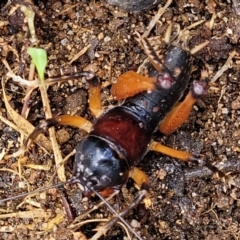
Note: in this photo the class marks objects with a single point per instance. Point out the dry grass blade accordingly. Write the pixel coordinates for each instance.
(225, 67)
(2, 154)
(12, 125)
(35, 213)
(26, 107)
(78, 55)
(23, 125)
(52, 135)
(39, 167)
(55, 221)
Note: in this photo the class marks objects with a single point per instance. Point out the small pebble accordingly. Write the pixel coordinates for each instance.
(107, 39)
(135, 224)
(224, 111)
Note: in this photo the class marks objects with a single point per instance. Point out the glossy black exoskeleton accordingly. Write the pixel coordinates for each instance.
(120, 137)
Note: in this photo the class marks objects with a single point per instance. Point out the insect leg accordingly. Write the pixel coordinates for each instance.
(95, 97)
(140, 178)
(94, 89)
(44, 125)
(181, 155)
(184, 156)
(142, 181)
(177, 116)
(131, 83)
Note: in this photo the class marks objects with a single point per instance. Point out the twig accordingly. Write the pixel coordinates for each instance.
(225, 67)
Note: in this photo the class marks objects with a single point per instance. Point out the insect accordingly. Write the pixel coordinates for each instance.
(120, 137)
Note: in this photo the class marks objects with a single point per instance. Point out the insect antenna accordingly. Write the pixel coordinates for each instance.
(36, 191)
(117, 215)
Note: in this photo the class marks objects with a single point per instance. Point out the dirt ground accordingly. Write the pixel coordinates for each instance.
(189, 201)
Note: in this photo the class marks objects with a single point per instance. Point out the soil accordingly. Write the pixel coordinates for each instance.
(188, 201)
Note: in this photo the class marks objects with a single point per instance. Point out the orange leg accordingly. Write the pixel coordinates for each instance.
(75, 121)
(95, 97)
(178, 115)
(143, 182)
(140, 178)
(181, 111)
(131, 83)
(94, 89)
(184, 156)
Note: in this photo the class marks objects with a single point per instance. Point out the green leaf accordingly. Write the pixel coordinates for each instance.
(39, 59)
